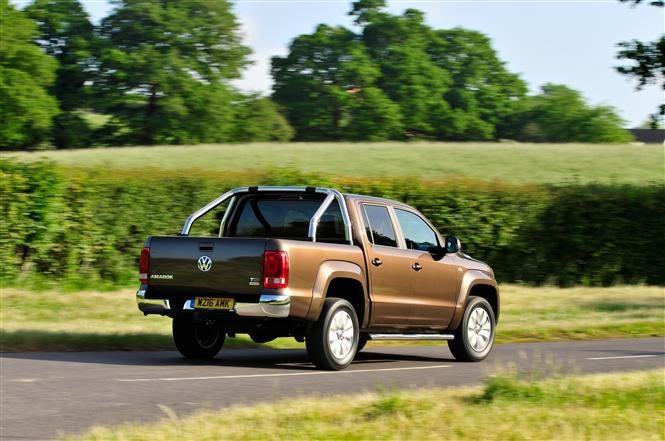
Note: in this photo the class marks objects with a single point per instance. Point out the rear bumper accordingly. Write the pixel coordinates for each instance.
(269, 305)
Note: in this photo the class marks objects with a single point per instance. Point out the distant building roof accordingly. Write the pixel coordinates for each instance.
(649, 136)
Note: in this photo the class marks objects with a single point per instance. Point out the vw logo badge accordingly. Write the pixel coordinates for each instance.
(205, 263)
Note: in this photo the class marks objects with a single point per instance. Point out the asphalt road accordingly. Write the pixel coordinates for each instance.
(46, 394)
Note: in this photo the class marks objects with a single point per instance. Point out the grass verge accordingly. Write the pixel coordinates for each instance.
(554, 163)
(619, 406)
(53, 320)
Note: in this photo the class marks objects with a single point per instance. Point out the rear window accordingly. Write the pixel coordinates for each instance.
(286, 217)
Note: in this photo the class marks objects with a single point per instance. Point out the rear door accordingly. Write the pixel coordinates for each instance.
(388, 266)
(206, 266)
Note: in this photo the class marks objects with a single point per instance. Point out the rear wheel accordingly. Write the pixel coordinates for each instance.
(197, 340)
(332, 341)
(474, 337)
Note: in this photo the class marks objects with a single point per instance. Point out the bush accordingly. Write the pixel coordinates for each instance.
(86, 228)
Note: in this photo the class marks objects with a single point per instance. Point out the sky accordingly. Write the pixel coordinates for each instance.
(570, 42)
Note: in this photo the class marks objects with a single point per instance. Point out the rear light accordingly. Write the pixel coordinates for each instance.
(144, 265)
(275, 269)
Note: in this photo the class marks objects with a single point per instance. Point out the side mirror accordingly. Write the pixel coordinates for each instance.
(453, 245)
(437, 252)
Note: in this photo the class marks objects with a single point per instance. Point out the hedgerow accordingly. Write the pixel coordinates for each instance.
(84, 228)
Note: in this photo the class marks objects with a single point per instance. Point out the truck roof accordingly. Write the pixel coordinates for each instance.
(353, 196)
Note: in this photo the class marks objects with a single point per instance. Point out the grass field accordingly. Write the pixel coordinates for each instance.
(52, 320)
(534, 163)
(620, 406)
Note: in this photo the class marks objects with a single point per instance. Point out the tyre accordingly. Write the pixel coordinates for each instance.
(197, 340)
(362, 341)
(332, 341)
(474, 337)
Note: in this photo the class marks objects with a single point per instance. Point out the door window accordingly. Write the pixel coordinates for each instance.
(417, 234)
(378, 225)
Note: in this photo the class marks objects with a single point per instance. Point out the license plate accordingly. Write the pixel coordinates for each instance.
(213, 303)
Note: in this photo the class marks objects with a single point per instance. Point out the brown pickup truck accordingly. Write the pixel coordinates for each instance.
(334, 270)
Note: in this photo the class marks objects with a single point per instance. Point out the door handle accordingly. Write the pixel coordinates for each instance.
(376, 261)
(416, 266)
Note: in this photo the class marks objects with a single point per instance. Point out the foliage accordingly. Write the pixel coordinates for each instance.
(484, 94)
(326, 84)
(71, 130)
(398, 78)
(648, 59)
(409, 77)
(259, 119)
(26, 73)
(372, 116)
(89, 228)
(66, 33)
(164, 69)
(560, 114)
(649, 67)
(160, 73)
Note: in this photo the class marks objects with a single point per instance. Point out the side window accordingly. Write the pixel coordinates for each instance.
(417, 234)
(379, 228)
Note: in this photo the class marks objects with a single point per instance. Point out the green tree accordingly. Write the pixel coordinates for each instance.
(648, 62)
(26, 73)
(324, 85)
(165, 67)
(65, 32)
(407, 80)
(560, 114)
(399, 78)
(259, 119)
(483, 94)
(408, 75)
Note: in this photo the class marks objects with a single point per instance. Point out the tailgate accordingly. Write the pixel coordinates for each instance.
(188, 266)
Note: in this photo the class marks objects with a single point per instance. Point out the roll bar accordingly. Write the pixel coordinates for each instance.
(331, 194)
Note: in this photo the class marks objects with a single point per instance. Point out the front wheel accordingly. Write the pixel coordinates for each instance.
(332, 341)
(197, 340)
(474, 337)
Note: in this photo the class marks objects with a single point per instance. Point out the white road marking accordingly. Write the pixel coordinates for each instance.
(291, 374)
(626, 356)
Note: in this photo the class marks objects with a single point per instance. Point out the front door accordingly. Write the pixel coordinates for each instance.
(434, 283)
